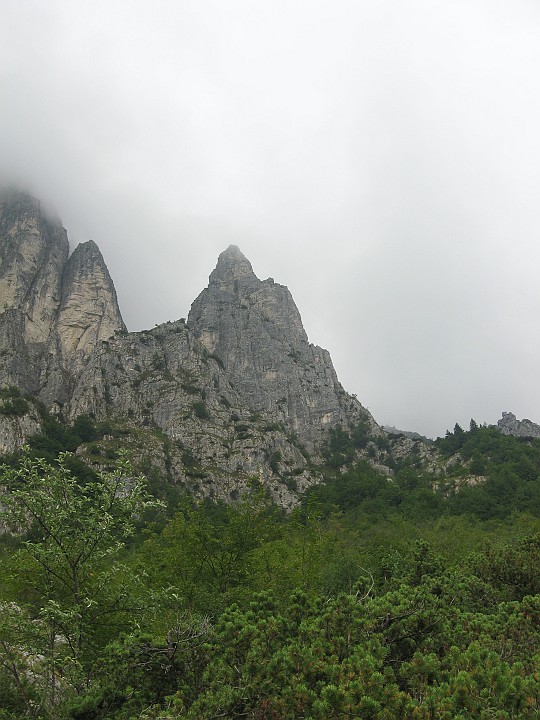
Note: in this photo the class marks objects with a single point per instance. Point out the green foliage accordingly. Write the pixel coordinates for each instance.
(342, 445)
(418, 651)
(217, 359)
(12, 403)
(275, 459)
(200, 410)
(217, 546)
(507, 468)
(57, 437)
(191, 389)
(72, 591)
(158, 362)
(340, 449)
(415, 596)
(85, 429)
(511, 466)
(54, 438)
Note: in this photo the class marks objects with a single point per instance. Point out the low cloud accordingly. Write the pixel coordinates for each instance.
(380, 159)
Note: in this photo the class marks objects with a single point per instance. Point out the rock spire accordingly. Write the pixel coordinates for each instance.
(53, 309)
(253, 326)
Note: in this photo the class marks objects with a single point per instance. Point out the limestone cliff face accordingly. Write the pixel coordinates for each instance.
(33, 252)
(238, 392)
(163, 383)
(234, 394)
(88, 312)
(510, 425)
(53, 310)
(254, 328)
(15, 431)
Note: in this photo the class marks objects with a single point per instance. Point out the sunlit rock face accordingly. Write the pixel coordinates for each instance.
(254, 329)
(163, 381)
(15, 431)
(33, 251)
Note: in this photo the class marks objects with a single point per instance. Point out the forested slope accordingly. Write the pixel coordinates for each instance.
(409, 597)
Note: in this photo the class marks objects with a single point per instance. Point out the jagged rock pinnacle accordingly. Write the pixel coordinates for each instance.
(33, 250)
(89, 310)
(53, 310)
(232, 265)
(510, 425)
(243, 351)
(255, 329)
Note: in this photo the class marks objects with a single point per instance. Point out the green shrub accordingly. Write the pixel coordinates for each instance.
(275, 459)
(200, 410)
(15, 406)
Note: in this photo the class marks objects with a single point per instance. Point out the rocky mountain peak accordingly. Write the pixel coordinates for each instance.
(253, 326)
(53, 310)
(33, 250)
(238, 388)
(19, 203)
(85, 261)
(88, 311)
(232, 268)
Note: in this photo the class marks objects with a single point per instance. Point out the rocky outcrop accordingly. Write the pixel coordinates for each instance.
(53, 310)
(392, 430)
(254, 329)
(88, 312)
(510, 425)
(164, 382)
(15, 430)
(236, 394)
(33, 252)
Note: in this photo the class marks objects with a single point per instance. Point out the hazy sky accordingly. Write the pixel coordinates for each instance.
(381, 158)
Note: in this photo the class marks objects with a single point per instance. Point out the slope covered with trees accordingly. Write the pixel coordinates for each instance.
(416, 596)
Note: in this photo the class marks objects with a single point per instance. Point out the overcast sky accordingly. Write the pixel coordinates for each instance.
(381, 158)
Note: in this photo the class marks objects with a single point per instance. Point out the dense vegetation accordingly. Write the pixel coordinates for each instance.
(415, 597)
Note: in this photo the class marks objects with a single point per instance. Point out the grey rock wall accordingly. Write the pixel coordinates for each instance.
(236, 393)
(33, 252)
(254, 328)
(510, 425)
(88, 311)
(53, 310)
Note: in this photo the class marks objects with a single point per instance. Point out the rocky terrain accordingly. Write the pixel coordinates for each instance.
(254, 328)
(236, 393)
(55, 310)
(510, 425)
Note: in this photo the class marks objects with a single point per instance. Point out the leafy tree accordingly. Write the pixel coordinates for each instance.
(85, 429)
(208, 554)
(73, 593)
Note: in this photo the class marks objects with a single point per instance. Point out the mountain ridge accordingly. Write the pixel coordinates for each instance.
(238, 389)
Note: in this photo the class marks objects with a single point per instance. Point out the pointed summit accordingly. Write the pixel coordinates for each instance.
(232, 265)
(33, 250)
(253, 326)
(233, 251)
(89, 309)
